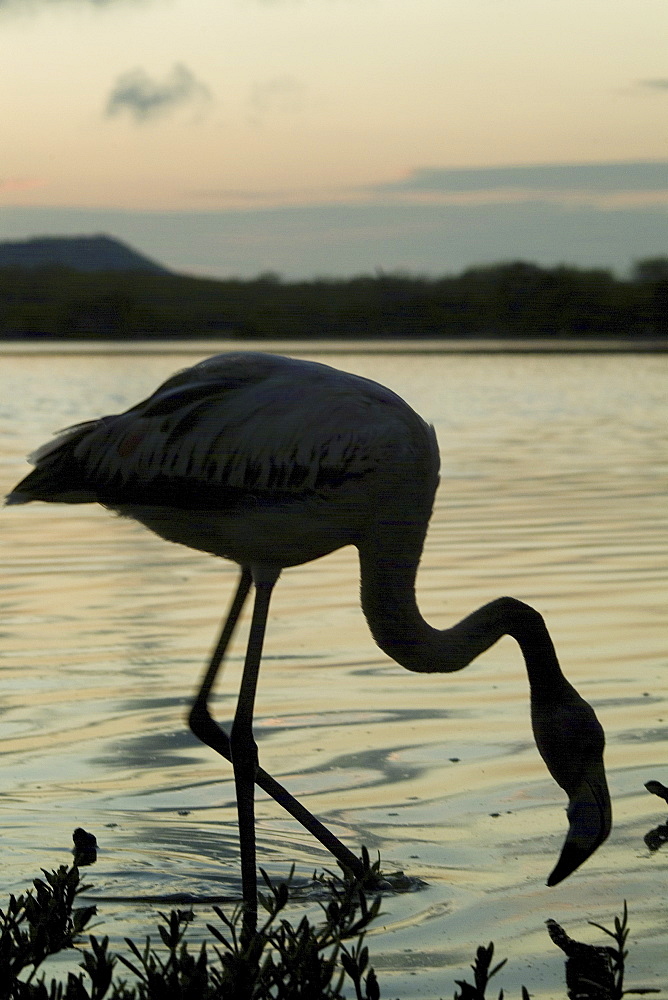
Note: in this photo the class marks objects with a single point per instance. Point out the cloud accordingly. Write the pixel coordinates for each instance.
(145, 99)
(594, 178)
(8, 184)
(659, 83)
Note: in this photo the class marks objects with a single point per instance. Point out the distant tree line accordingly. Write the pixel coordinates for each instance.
(502, 300)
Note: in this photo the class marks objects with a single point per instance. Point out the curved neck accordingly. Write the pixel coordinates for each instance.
(388, 574)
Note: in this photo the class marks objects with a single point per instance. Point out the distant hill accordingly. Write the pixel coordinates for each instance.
(81, 253)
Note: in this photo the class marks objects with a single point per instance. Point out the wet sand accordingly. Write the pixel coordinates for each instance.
(553, 490)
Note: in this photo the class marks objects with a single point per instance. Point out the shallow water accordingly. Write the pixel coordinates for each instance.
(553, 490)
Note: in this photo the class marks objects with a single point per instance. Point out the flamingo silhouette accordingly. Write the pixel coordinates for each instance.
(273, 462)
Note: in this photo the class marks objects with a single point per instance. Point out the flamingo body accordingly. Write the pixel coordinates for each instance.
(256, 458)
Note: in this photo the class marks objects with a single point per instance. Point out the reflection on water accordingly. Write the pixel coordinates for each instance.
(554, 477)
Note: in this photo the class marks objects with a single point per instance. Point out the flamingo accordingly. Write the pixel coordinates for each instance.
(273, 462)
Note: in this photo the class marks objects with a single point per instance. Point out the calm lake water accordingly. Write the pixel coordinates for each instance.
(553, 490)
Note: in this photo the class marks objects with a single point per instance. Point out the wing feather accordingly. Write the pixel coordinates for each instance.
(248, 423)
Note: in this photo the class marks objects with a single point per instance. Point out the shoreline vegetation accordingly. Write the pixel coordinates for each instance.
(280, 961)
(502, 304)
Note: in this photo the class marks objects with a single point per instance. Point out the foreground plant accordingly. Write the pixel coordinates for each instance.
(482, 975)
(279, 962)
(37, 924)
(595, 972)
(658, 836)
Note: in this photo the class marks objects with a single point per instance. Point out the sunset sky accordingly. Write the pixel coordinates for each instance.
(338, 136)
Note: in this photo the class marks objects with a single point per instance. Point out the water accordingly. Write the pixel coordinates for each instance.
(553, 491)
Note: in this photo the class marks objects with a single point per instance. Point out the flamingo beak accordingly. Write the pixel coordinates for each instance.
(590, 818)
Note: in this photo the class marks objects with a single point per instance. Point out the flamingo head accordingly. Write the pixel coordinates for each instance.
(570, 740)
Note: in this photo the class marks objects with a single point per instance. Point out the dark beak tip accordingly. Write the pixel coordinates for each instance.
(562, 869)
(577, 849)
(556, 877)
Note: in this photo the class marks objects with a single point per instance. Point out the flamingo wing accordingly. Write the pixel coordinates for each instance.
(216, 429)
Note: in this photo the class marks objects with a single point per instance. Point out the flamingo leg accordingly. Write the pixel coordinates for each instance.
(210, 733)
(199, 719)
(244, 747)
